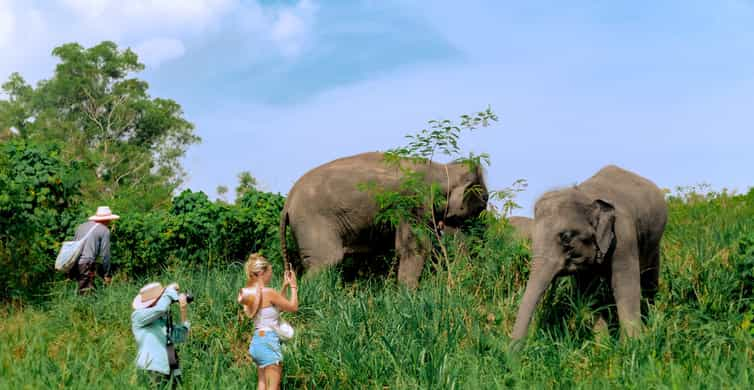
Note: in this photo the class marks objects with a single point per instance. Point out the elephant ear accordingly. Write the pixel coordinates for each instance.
(603, 220)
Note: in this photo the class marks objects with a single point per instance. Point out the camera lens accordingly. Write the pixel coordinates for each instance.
(189, 298)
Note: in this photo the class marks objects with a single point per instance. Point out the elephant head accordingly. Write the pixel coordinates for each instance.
(571, 233)
(467, 192)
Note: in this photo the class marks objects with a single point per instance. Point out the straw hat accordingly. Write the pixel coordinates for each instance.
(148, 295)
(103, 214)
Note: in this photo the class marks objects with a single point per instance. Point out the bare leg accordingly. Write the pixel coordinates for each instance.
(261, 379)
(272, 373)
(411, 254)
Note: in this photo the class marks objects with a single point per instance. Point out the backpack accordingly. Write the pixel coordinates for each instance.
(70, 251)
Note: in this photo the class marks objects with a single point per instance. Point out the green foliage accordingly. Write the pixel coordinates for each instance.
(371, 334)
(198, 232)
(443, 137)
(246, 183)
(129, 143)
(415, 196)
(264, 209)
(415, 192)
(40, 207)
(39, 204)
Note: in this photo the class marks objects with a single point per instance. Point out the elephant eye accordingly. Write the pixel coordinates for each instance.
(566, 237)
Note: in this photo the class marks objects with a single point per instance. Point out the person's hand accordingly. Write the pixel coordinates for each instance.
(182, 300)
(174, 286)
(290, 278)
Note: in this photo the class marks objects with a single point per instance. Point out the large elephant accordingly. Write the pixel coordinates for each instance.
(330, 216)
(610, 227)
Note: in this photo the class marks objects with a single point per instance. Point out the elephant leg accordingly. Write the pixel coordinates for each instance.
(650, 277)
(411, 251)
(319, 245)
(626, 285)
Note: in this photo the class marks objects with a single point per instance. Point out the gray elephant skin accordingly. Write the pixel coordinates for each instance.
(522, 226)
(608, 227)
(330, 217)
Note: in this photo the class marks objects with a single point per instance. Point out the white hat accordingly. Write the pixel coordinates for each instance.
(148, 295)
(103, 214)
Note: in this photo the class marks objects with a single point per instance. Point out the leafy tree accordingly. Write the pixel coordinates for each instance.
(222, 191)
(130, 144)
(246, 183)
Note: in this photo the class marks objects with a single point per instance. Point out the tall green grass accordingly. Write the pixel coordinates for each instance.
(450, 333)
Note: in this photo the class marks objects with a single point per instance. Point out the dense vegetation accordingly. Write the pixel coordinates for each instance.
(453, 331)
(128, 144)
(368, 333)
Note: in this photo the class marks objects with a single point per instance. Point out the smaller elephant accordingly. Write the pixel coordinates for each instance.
(608, 227)
(522, 226)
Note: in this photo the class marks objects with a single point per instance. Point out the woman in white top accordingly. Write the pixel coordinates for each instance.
(264, 305)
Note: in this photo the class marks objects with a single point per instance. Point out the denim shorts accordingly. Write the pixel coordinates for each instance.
(265, 350)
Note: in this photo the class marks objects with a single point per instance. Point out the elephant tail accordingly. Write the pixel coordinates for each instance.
(283, 242)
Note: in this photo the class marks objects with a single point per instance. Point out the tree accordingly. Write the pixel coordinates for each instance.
(129, 143)
(246, 183)
(221, 192)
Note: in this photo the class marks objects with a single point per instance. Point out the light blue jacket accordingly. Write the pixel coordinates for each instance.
(149, 327)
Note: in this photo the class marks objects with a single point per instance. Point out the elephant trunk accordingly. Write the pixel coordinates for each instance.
(542, 274)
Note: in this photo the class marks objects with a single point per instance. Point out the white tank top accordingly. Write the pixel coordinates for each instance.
(267, 318)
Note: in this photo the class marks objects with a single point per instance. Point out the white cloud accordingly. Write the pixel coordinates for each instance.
(88, 8)
(119, 17)
(158, 30)
(155, 51)
(292, 27)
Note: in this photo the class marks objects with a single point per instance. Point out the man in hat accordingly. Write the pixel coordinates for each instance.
(97, 244)
(151, 325)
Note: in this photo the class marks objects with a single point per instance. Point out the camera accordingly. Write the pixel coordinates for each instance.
(189, 298)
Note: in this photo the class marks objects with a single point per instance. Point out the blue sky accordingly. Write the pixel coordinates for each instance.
(663, 88)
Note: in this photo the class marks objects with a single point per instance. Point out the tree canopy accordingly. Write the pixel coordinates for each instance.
(128, 143)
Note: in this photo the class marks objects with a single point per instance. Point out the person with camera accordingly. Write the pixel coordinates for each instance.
(155, 333)
(264, 305)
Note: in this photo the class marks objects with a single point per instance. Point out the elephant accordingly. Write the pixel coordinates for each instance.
(608, 227)
(331, 217)
(522, 226)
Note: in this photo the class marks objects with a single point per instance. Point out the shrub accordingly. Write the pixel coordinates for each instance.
(196, 231)
(39, 204)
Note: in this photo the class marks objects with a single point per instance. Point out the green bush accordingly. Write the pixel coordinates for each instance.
(39, 205)
(196, 231)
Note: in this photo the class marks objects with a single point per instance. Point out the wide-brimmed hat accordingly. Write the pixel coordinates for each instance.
(148, 295)
(103, 214)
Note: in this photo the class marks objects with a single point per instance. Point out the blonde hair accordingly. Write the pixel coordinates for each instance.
(255, 265)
